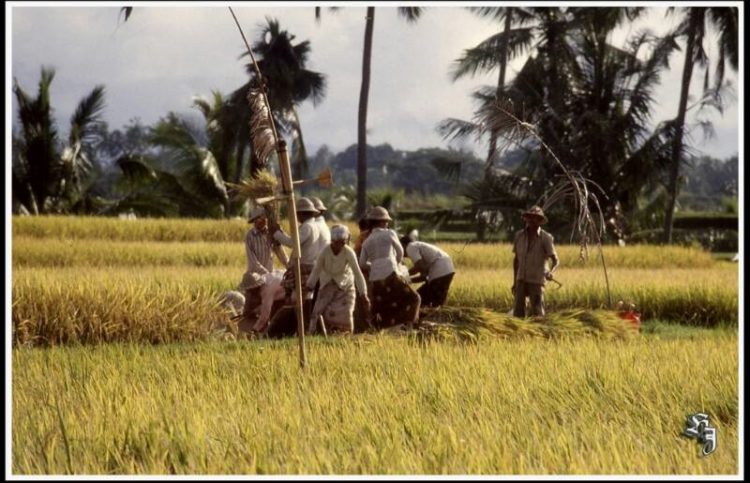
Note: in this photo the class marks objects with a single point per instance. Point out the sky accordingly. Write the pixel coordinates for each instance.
(166, 54)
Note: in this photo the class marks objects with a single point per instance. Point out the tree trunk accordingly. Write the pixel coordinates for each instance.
(687, 73)
(500, 84)
(362, 120)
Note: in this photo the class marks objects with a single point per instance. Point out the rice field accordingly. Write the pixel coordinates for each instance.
(118, 367)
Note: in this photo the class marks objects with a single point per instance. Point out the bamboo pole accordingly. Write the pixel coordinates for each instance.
(286, 179)
(287, 186)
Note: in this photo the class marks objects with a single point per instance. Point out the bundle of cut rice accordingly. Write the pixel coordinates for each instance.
(263, 184)
(471, 324)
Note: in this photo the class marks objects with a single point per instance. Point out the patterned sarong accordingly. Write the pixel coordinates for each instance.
(393, 302)
(336, 305)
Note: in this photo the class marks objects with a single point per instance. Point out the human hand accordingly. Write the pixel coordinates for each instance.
(548, 275)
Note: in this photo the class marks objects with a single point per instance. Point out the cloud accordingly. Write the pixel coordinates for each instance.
(163, 56)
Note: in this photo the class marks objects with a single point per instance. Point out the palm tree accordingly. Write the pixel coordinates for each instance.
(282, 64)
(411, 14)
(596, 122)
(181, 177)
(48, 174)
(693, 28)
(495, 52)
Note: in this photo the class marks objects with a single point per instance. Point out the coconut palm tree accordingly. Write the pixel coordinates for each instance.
(49, 174)
(596, 122)
(283, 66)
(693, 28)
(495, 52)
(411, 14)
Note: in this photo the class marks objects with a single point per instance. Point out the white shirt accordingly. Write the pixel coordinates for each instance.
(438, 262)
(342, 269)
(325, 233)
(383, 252)
(309, 235)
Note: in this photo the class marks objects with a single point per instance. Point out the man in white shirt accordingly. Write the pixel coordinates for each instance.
(325, 232)
(393, 300)
(339, 275)
(309, 236)
(434, 267)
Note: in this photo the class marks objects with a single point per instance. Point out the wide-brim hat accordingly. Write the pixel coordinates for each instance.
(305, 205)
(318, 203)
(536, 212)
(379, 214)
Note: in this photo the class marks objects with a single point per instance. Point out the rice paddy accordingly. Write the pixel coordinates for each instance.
(117, 368)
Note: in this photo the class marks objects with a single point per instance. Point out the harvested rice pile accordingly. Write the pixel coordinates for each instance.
(471, 323)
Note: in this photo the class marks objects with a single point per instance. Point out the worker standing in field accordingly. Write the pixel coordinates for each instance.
(532, 246)
(309, 239)
(393, 300)
(258, 251)
(340, 279)
(431, 265)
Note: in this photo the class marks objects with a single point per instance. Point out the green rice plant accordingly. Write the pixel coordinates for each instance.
(378, 404)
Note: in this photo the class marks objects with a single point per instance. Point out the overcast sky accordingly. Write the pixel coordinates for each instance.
(164, 55)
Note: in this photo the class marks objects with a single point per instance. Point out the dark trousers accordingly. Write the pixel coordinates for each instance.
(434, 292)
(535, 293)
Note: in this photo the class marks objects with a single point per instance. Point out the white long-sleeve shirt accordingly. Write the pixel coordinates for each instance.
(325, 233)
(437, 261)
(343, 269)
(309, 234)
(383, 252)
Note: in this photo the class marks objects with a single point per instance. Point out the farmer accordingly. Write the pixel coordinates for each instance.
(393, 300)
(338, 272)
(325, 232)
(433, 266)
(532, 246)
(258, 250)
(309, 236)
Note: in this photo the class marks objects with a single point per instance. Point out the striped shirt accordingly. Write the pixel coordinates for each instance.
(258, 251)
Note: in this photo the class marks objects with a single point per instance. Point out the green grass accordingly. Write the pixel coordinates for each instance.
(375, 404)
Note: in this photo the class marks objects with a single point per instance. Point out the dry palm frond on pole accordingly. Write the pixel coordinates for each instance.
(265, 141)
(572, 185)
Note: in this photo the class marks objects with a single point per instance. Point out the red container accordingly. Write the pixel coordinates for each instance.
(633, 317)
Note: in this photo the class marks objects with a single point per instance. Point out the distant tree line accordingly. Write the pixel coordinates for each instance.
(577, 99)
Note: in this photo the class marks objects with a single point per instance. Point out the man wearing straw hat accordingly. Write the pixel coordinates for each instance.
(532, 246)
(258, 250)
(309, 236)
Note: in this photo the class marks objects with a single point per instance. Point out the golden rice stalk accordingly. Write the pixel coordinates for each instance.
(264, 183)
(261, 126)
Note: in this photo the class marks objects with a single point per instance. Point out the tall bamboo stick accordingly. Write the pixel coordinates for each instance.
(287, 186)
